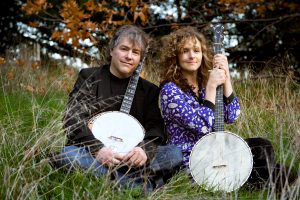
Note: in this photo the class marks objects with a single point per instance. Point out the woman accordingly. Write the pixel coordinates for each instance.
(189, 81)
(190, 77)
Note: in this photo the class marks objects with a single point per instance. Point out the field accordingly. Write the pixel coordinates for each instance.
(32, 102)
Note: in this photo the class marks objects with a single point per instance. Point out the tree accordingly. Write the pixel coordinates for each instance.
(9, 16)
(266, 30)
(71, 22)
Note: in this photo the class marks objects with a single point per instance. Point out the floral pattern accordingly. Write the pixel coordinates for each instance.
(188, 118)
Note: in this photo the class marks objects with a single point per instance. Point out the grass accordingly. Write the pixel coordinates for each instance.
(32, 105)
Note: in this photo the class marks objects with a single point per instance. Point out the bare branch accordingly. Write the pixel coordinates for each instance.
(202, 24)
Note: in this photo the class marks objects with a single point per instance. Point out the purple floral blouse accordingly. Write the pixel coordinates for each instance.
(188, 118)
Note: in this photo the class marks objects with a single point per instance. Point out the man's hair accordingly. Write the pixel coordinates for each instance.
(134, 34)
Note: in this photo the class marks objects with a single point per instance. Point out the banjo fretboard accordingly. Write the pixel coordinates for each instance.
(219, 112)
(131, 88)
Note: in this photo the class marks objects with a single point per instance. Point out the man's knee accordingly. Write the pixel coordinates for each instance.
(71, 156)
(64, 158)
(175, 154)
(171, 149)
(71, 152)
(169, 155)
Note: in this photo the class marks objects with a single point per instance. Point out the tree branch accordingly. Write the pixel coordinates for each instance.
(224, 21)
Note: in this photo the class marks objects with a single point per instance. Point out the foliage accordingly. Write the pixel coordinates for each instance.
(266, 30)
(270, 32)
(77, 21)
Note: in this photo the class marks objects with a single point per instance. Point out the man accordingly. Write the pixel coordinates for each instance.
(101, 89)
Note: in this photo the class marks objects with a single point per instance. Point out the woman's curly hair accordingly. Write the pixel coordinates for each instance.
(172, 47)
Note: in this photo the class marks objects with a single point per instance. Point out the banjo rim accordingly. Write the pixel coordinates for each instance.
(227, 132)
(137, 131)
(94, 118)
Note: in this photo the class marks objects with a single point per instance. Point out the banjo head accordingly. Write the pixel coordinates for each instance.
(117, 130)
(221, 164)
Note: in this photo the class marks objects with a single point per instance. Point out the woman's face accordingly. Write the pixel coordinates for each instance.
(191, 56)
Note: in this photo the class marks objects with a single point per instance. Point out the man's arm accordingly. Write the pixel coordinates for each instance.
(153, 122)
(79, 109)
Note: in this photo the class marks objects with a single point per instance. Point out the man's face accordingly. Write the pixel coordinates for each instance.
(125, 58)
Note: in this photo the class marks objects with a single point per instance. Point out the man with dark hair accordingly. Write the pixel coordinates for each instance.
(101, 89)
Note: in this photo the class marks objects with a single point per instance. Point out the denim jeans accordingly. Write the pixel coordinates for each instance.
(167, 159)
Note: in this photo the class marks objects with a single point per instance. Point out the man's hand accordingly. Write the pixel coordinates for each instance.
(106, 156)
(136, 157)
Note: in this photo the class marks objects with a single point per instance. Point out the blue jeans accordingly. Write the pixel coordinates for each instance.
(167, 159)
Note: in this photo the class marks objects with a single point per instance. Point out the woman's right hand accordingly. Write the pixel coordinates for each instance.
(217, 76)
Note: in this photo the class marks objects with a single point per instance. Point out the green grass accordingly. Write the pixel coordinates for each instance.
(32, 105)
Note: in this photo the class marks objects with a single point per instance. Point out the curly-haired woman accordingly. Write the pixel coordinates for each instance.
(189, 80)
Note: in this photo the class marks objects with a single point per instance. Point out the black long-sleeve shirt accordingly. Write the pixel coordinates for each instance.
(97, 90)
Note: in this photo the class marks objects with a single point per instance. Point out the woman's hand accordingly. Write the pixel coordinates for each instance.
(220, 72)
(218, 75)
(220, 61)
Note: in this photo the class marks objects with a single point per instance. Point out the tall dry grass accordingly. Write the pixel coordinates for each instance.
(32, 105)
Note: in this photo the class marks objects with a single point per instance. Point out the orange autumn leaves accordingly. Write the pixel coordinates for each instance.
(36, 6)
(78, 25)
(77, 21)
(77, 18)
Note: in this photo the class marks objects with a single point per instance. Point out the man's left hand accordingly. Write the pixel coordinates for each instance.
(136, 157)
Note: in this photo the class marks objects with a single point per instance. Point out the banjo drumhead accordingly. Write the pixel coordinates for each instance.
(118, 130)
(221, 164)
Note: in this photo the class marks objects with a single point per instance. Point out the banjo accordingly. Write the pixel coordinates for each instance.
(220, 161)
(118, 129)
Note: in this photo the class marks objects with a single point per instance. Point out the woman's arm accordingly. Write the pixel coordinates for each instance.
(220, 75)
(231, 109)
(221, 62)
(174, 107)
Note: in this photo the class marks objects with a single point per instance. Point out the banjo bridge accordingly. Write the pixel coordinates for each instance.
(114, 138)
(219, 166)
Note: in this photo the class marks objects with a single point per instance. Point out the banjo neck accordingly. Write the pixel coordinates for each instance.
(131, 87)
(219, 112)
